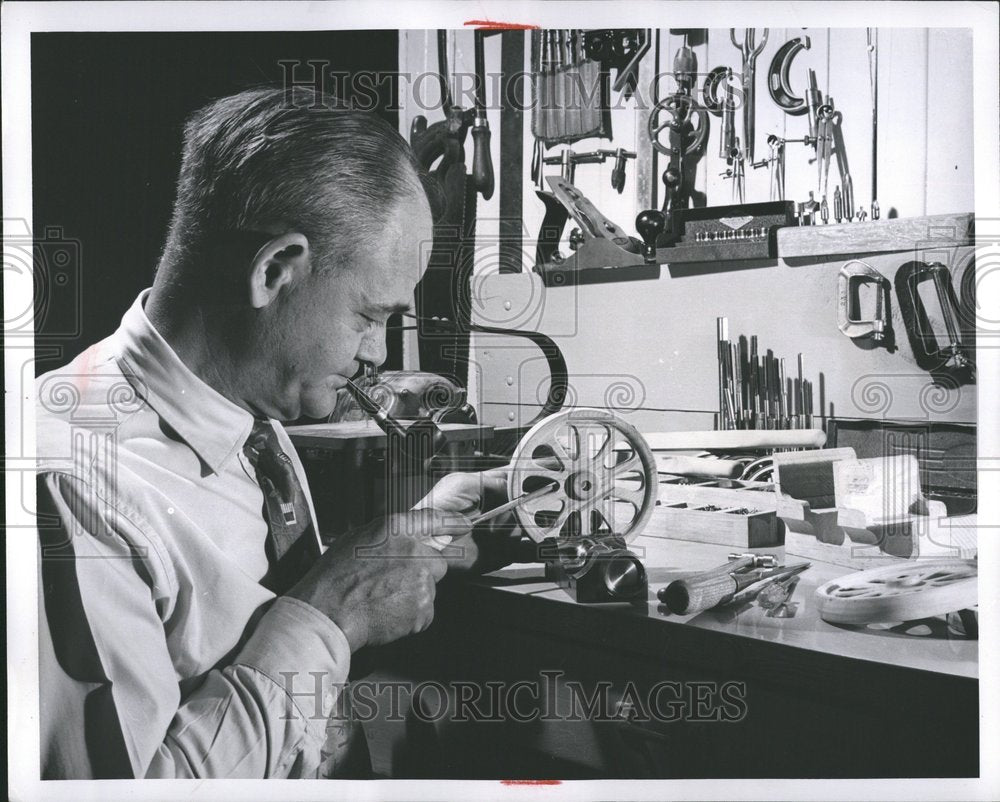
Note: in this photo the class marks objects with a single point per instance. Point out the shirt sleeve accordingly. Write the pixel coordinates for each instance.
(110, 698)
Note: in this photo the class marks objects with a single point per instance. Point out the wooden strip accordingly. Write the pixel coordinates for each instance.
(881, 236)
(511, 150)
(735, 439)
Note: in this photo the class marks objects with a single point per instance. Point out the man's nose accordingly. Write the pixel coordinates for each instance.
(373, 349)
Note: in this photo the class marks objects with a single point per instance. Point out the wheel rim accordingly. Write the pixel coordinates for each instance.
(924, 589)
(603, 471)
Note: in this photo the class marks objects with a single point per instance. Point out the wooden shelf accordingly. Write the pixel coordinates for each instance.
(879, 236)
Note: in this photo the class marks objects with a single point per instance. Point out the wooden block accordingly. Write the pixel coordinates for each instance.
(808, 475)
(845, 537)
(879, 236)
(880, 488)
(737, 527)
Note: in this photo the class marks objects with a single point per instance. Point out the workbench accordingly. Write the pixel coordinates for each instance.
(820, 700)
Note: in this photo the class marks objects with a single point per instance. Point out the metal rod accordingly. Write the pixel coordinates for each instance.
(489, 514)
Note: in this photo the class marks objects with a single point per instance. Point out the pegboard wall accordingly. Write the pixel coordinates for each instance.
(648, 347)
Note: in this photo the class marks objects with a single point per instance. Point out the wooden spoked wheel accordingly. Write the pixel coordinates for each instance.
(602, 473)
(923, 589)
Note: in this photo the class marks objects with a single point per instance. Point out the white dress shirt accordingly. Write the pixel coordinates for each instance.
(162, 655)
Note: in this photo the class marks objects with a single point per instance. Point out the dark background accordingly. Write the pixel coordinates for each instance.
(107, 115)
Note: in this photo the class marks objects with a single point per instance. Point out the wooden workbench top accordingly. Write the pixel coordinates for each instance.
(925, 645)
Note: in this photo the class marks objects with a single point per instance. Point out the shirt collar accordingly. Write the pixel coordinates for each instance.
(212, 425)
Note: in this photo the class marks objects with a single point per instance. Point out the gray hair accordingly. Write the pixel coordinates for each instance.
(294, 158)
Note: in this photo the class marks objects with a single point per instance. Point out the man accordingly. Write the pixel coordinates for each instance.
(179, 636)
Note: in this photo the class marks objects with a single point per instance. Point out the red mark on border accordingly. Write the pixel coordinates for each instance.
(489, 25)
(531, 782)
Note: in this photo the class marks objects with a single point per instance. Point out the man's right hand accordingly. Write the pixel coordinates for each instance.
(378, 584)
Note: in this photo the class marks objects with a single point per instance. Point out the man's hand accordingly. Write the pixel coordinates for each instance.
(378, 584)
(493, 543)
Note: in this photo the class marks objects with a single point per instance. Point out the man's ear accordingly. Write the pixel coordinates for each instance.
(276, 264)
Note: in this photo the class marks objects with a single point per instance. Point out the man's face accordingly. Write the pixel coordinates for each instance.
(331, 321)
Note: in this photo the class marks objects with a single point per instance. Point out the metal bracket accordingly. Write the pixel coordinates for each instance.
(852, 275)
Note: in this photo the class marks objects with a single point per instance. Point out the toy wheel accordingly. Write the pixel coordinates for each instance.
(923, 589)
(604, 475)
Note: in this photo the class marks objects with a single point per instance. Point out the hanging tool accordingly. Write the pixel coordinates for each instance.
(571, 99)
(729, 143)
(749, 50)
(838, 205)
(445, 288)
(621, 50)
(710, 90)
(735, 173)
(687, 124)
(621, 157)
(775, 162)
(814, 99)
(852, 275)
(807, 211)
(830, 143)
(933, 351)
(482, 160)
(727, 139)
(777, 77)
(873, 86)
(568, 160)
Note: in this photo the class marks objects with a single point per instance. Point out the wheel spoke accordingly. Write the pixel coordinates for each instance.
(561, 454)
(628, 465)
(546, 503)
(560, 520)
(635, 497)
(597, 461)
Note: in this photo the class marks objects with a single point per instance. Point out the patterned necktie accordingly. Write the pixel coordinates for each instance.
(291, 540)
(291, 549)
